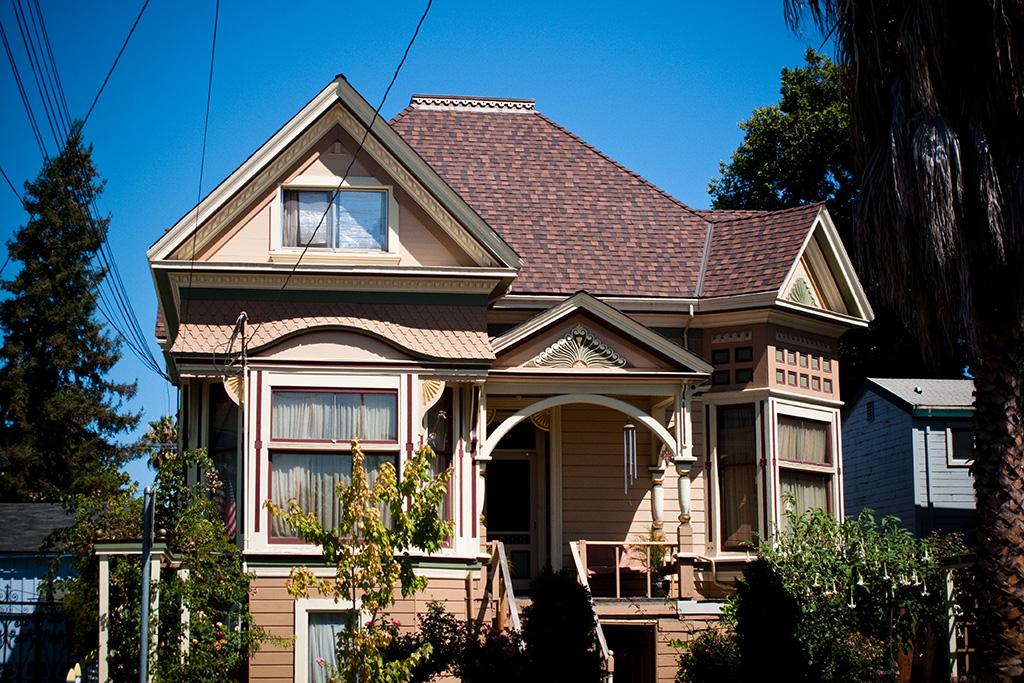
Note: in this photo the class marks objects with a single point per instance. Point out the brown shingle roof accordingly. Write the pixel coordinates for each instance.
(753, 251)
(580, 220)
(431, 331)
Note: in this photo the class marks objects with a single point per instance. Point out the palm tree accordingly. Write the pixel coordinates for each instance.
(937, 117)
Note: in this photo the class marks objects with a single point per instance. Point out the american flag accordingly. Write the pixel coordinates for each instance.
(225, 496)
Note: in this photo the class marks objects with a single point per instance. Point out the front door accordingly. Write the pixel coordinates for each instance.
(511, 503)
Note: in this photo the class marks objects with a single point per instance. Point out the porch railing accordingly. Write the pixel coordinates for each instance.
(498, 592)
(638, 568)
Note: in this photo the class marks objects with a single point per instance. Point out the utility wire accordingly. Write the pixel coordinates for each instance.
(202, 161)
(100, 92)
(37, 67)
(344, 177)
(24, 95)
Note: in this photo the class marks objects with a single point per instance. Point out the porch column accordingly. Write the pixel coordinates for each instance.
(657, 495)
(104, 620)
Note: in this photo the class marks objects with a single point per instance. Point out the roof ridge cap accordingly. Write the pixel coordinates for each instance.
(471, 103)
(618, 165)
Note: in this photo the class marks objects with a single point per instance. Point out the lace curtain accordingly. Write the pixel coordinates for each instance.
(324, 628)
(804, 440)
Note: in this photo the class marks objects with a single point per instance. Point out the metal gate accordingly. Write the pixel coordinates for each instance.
(33, 639)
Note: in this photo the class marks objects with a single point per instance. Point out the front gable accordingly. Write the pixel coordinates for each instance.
(428, 224)
(822, 277)
(585, 336)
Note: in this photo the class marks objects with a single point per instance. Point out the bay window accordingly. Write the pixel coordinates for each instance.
(759, 465)
(311, 432)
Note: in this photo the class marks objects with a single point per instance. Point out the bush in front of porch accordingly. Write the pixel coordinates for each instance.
(827, 601)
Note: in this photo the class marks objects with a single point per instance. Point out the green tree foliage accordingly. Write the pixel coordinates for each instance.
(798, 152)
(827, 602)
(937, 126)
(372, 557)
(207, 580)
(59, 414)
(794, 152)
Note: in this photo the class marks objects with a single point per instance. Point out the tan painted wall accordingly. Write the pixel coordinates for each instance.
(333, 345)
(421, 241)
(274, 609)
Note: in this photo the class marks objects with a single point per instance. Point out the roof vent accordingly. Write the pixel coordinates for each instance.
(918, 390)
(492, 104)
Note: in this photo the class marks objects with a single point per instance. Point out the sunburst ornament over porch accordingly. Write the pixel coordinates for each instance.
(579, 349)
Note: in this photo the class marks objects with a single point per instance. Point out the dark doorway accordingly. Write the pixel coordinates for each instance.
(633, 649)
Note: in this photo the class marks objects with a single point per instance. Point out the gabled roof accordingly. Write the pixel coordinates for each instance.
(337, 104)
(582, 221)
(615, 319)
(926, 396)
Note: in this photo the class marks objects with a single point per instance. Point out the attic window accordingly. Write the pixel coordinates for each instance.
(356, 220)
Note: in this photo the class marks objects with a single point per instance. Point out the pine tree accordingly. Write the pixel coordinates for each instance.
(59, 414)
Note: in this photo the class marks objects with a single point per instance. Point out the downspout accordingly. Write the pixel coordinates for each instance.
(928, 474)
(686, 330)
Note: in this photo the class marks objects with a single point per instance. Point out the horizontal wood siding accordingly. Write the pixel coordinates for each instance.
(273, 609)
(944, 494)
(878, 460)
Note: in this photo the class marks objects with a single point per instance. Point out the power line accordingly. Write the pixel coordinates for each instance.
(24, 95)
(341, 183)
(116, 59)
(202, 157)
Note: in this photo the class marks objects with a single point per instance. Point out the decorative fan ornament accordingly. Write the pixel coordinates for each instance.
(432, 389)
(234, 385)
(490, 415)
(542, 420)
(802, 293)
(578, 349)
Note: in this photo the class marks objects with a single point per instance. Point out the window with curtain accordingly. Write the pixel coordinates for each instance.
(334, 416)
(324, 628)
(804, 440)
(809, 490)
(346, 219)
(736, 459)
(312, 478)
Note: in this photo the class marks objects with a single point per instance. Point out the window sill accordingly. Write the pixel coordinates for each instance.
(348, 258)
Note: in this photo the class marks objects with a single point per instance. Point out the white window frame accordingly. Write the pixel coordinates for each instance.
(830, 417)
(276, 381)
(714, 533)
(303, 606)
(951, 459)
(280, 253)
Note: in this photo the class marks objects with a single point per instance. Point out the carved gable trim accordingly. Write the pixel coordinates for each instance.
(579, 349)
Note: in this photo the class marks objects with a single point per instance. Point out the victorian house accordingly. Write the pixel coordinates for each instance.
(603, 366)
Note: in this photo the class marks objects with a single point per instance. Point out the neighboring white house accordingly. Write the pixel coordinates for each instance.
(908, 446)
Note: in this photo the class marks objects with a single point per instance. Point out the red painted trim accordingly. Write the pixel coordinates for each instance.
(770, 472)
(258, 445)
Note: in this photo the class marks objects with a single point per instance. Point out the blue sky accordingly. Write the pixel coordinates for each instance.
(659, 89)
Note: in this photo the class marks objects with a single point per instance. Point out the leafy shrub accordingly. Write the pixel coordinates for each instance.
(827, 602)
